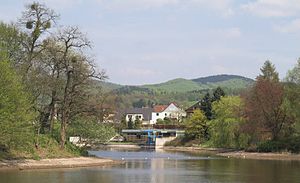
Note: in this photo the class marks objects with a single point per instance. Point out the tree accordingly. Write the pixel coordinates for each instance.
(225, 128)
(130, 124)
(205, 106)
(292, 94)
(269, 72)
(90, 131)
(265, 110)
(55, 69)
(36, 20)
(197, 126)
(77, 71)
(10, 42)
(218, 93)
(293, 75)
(16, 119)
(139, 104)
(137, 123)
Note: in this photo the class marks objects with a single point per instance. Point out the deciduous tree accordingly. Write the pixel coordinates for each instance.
(197, 126)
(16, 118)
(264, 107)
(225, 127)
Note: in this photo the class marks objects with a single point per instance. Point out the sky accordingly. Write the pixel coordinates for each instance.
(152, 41)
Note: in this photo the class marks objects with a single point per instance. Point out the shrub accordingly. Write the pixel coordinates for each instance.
(291, 144)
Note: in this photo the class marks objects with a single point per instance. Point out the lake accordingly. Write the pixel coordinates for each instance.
(165, 166)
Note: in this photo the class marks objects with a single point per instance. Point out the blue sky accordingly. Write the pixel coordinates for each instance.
(151, 41)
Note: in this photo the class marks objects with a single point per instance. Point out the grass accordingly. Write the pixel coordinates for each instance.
(47, 147)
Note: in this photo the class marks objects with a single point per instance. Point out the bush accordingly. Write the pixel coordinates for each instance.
(183, 141)
(291, 144)
(270, 146)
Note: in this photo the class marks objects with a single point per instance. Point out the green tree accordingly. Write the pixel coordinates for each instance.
(269, 72)
(225, 128)
(218, 93)
(197, 126)
(205, 106)
(293, 75)
(90, 131)
(137, 123)
(16, 119)
(139, 104)
(292, 94)
(130, 124)
(10, 42)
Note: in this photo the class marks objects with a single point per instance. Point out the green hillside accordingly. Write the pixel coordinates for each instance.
(180, 85)
(176, 85)
(221, 78)
(182, 91)
(229, 82)
(108, 86)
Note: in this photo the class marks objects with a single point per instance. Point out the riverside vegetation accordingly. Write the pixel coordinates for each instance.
(46, 90)
(263, 118)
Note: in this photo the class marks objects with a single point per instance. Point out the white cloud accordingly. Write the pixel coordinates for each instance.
(135, 4)
(230, 33)
(223, 7)
(273, 8)
(291, 27)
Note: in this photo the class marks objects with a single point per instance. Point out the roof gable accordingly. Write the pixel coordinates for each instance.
(159, 108)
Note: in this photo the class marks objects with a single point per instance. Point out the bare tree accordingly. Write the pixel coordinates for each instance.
(78, 69)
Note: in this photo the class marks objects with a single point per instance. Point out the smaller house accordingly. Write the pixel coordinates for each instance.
(142, 114)
(189, 111)
(170, 111)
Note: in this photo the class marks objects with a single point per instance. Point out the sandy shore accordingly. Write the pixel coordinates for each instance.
(55, 163)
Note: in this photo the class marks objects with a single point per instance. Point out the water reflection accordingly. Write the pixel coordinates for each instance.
(159, 167)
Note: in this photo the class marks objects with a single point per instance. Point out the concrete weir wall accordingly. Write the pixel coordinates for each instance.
(160, 142)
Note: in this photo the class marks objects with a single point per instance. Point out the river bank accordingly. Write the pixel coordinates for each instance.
(27, 164)
(261, 156)
(230, 153)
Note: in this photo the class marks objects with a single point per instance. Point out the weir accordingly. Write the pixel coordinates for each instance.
(155, 138)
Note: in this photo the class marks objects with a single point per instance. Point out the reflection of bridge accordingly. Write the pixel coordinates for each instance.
(151, 137)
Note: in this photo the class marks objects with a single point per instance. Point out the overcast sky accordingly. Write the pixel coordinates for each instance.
(151, 41)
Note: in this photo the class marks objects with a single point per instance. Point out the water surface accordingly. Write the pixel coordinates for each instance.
(160, 167)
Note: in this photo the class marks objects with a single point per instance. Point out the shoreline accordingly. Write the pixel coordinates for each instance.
(284, 156)
(231, 153)
(77, 162)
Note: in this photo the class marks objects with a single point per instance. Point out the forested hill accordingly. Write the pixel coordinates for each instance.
(221, 78)
(180, 85)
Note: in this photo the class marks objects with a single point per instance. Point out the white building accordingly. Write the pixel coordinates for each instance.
(142, 114)
(170, 111)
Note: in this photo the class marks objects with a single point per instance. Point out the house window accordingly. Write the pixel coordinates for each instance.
(157, 114)
(165, 114)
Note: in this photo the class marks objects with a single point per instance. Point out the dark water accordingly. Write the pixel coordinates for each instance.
(161, 167)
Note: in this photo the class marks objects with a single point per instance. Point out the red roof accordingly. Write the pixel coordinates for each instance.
(159, 108)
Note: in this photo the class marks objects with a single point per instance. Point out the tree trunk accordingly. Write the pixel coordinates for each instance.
(63, 131)
(65, 111)
(52, 111)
